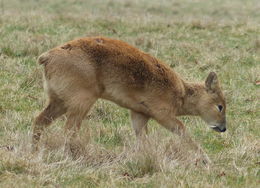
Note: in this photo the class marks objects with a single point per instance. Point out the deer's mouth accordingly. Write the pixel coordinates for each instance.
(218, 129)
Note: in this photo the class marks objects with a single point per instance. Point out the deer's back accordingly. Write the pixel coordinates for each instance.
(114, 70)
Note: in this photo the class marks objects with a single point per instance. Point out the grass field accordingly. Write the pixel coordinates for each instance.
(194, 37)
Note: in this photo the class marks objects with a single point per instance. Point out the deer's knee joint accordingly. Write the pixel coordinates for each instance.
(43, 120)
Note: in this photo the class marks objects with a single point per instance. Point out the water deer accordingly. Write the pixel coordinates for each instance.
(84, 70)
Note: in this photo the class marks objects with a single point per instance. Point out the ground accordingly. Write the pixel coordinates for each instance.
(193, 37)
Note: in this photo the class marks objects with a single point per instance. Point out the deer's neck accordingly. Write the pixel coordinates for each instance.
(192, 97)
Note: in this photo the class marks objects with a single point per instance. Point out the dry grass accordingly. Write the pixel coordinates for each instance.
(194, 37)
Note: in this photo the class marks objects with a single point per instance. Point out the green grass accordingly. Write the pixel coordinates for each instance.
(193, 37)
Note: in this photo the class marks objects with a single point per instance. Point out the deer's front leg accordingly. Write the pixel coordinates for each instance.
(177, 127)
(139, 123)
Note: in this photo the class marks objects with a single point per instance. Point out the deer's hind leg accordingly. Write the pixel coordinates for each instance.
(54, 109)
(78, 107)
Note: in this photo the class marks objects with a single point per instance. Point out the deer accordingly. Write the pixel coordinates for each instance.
(81, 71)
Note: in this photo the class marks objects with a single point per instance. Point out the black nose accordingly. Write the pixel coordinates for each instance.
(223, 130)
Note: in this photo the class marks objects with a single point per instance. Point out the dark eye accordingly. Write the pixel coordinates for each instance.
(220, 108)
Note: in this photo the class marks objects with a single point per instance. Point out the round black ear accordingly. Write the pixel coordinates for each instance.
(211, 82)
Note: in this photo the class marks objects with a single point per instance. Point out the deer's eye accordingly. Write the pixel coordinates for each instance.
(220, 108)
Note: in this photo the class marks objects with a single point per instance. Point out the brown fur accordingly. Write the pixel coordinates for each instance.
(84, 70)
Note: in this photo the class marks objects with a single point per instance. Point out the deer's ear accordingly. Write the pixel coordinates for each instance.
(211, 82)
